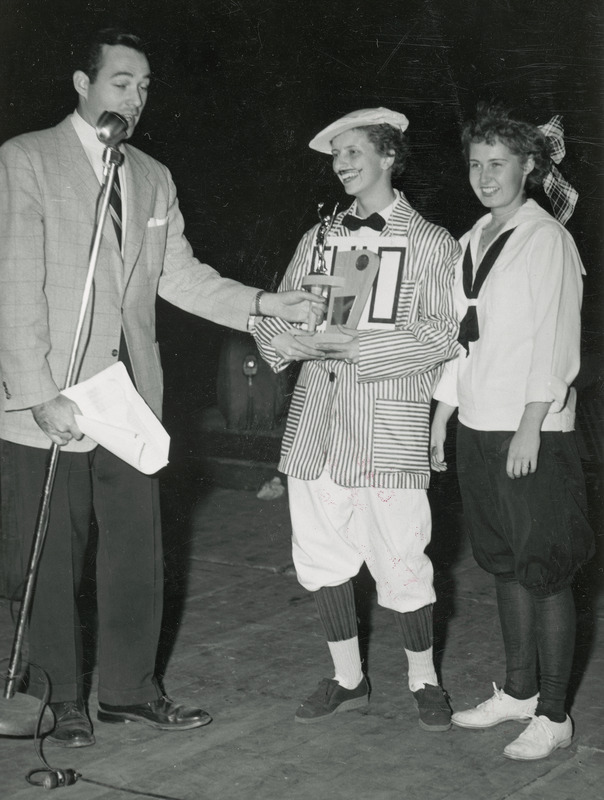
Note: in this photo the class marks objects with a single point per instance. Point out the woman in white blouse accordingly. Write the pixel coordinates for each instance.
(518, 296)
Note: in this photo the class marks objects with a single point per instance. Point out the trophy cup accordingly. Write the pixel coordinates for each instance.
(319, 282)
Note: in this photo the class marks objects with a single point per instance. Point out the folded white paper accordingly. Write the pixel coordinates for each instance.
(115, 416)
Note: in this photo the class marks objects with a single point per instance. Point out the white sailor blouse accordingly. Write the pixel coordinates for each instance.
(368, 423)
(529, 317)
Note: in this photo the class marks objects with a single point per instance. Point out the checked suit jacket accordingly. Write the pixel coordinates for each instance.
(48, 194)
(368, 423)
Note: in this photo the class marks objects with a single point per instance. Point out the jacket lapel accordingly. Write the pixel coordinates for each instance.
(397, 223)
(73, 158)
(140, 201)
(74, 163)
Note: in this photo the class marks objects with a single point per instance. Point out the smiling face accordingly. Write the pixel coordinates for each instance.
(121, 86)
(498, 176)
(363, 172)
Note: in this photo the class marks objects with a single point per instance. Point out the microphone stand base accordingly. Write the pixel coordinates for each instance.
(19, 716)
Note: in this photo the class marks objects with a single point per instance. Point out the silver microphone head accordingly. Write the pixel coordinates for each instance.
(111, 128)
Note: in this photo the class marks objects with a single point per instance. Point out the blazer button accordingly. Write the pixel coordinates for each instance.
(115, 352)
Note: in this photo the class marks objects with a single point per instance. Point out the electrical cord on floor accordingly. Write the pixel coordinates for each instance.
(49, 777)
(130, 791)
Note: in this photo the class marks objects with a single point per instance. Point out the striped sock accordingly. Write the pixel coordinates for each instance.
(337, 611)
(347, 662)
(416, 627)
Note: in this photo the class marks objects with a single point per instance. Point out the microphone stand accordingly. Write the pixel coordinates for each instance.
(19, 714)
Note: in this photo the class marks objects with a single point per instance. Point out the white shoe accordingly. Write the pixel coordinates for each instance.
(540, 739)
(499, 708)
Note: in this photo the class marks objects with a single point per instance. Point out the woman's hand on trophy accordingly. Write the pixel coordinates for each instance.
(346, 349)
(297, 345)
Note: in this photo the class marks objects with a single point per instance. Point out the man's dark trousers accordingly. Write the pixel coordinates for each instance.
(129, 568)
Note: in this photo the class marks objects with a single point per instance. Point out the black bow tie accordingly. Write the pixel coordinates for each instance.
(373, 221)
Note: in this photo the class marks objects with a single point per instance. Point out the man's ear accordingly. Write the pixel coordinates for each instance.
(81, 82)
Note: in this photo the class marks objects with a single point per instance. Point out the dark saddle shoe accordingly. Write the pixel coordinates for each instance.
(162, 713)
(72, 725)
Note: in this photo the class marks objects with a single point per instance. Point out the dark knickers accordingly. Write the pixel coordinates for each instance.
(534, 527)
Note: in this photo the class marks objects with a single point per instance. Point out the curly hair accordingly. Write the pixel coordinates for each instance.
(388, 141)
(493, 123)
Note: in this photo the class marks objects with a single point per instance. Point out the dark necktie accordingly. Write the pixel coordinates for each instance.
(373, 221)
(115, 208)
(468, 327)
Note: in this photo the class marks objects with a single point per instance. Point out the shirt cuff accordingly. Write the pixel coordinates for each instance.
(547, 389)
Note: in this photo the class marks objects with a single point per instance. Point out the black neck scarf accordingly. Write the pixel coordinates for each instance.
(468, 327)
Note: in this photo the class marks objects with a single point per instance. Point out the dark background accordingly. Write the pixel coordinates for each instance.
(241, 86)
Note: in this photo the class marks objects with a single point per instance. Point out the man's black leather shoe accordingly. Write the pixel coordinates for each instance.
(72, 725)
(162, 713)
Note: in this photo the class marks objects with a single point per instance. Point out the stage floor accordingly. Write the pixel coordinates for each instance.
(243, 641)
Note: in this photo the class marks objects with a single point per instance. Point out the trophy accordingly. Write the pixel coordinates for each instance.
(319, 282)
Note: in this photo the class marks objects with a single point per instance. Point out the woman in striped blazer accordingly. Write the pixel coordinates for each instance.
(355, 447)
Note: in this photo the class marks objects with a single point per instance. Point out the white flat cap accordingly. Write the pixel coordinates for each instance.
(357, 119)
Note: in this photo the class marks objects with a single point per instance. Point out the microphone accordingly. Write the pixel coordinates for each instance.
(111, 128)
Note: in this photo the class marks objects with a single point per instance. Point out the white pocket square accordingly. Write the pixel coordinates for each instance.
(155, 223)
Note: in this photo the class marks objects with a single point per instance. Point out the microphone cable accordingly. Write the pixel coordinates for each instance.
(49, 777)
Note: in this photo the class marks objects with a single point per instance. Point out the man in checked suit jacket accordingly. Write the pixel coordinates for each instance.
(49, 183)
(355, 448)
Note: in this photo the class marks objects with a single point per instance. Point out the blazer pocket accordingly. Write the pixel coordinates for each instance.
(154, 222)
(154, 243)
(400, 436)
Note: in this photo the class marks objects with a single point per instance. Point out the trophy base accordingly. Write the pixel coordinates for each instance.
(331, 337)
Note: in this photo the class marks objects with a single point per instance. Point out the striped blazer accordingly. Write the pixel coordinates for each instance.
(368, 423)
